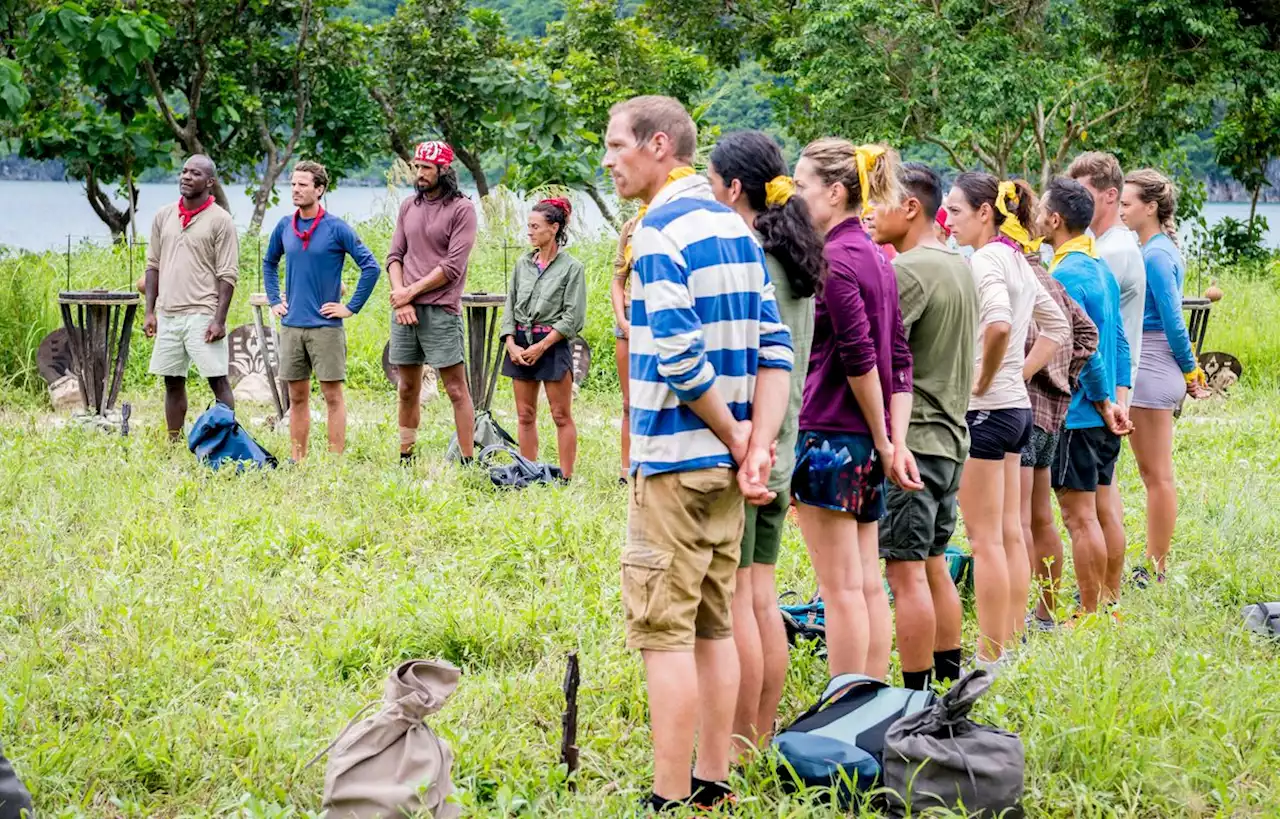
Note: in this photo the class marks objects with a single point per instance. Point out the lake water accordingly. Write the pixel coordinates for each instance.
(41, 215)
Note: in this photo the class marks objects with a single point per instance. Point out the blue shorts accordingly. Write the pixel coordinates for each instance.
(840, 472)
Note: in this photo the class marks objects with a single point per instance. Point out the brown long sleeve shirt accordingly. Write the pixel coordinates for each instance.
(433, 232)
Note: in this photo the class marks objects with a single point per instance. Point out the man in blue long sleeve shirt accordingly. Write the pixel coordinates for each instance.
(315, 246)
(1097, 417)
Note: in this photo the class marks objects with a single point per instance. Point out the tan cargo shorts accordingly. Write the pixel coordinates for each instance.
(684, 534)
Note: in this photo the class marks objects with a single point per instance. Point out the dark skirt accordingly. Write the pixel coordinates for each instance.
(554, 364)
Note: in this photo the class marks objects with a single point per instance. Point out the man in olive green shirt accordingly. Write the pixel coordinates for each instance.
(939, 304)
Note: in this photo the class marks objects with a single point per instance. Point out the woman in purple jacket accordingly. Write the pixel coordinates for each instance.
(847, 439)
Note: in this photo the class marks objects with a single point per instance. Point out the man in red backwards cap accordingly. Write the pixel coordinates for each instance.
(427, 263)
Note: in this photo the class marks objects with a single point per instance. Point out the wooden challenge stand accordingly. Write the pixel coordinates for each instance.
(99, 325)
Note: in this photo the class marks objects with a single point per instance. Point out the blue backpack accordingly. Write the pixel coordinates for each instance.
(839, 742)
(217, 438)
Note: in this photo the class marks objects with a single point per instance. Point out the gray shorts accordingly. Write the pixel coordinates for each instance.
(436, 340)
(1160, 384)
(919, 524)
(1039, 451)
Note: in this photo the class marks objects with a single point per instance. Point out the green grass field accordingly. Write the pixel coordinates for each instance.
(175, 642)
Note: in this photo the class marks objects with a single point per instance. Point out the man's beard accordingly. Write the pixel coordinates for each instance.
(425, 189)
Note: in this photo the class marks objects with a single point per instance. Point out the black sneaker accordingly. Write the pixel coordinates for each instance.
(659, 804)
(708, 795)
(406, 458)
(1140, 577)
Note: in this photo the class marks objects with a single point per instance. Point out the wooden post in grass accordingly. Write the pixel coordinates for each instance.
(569, 743)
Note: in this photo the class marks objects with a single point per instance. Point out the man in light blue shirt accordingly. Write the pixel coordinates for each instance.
(1097, 417)
(1101, 176)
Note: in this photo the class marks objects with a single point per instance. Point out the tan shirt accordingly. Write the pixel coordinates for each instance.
(193, 260)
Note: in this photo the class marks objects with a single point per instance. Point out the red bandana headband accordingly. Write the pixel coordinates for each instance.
(560, 202)
(185, 216)
(435, 153)
(305, 235)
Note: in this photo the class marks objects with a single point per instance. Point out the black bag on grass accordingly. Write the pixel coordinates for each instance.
(521, 472)
(839, 742)
(15, 802)
(939, 758)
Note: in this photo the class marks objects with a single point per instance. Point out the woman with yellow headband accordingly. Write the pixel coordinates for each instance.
(620, 298)
(747, 173)
(860, 367)
(991, 216)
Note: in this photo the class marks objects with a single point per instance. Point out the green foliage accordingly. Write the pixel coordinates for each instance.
(1233, 242)
(1248, 138)
(14, 95)
(739, 101)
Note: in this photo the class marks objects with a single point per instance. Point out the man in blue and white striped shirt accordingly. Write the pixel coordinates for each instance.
(710, 362)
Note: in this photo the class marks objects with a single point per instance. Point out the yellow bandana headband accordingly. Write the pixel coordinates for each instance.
(1007, 191)
(679, 173)
(866, 157)
(1081, 244)
(779, 190)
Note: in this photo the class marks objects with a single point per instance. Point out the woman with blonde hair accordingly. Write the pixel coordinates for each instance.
(1167, 369)
(991, 216)
(857, 401)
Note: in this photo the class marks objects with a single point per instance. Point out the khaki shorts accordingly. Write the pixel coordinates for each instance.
(684, 530)
(436, 340)
(322, 349)
(180, 343)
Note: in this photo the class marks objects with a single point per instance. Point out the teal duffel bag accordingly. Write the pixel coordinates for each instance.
(839, 742)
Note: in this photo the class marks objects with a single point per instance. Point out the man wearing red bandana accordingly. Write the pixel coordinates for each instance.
(192, 265)
(315, 245)
(427, 264)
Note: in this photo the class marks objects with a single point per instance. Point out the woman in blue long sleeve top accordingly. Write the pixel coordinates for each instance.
(1168, 371)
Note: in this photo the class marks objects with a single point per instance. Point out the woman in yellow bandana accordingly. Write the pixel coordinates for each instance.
(857, 399)
(991, 216)
(747, 173)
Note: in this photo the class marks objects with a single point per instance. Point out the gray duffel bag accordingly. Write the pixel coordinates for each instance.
(939, 758)
(1263, 618)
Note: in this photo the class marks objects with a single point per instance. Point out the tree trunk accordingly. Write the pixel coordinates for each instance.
(472, 164)
(262, 196)
(116, 220)
(1253, 206)
(261, 201)
(599, 199)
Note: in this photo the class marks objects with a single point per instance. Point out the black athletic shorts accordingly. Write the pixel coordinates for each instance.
(996, 433)
(1086, 459)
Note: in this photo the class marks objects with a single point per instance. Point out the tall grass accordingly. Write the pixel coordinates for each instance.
(176, 642)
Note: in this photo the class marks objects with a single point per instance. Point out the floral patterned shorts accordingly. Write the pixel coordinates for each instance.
(840, 472)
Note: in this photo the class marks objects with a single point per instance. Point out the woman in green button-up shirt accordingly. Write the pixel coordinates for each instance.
(546, 307)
